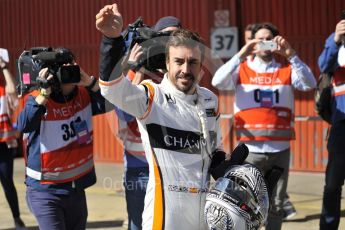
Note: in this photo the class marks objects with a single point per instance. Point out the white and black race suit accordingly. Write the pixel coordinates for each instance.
(179, 133)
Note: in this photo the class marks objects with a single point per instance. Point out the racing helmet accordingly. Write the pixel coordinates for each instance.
(238, 200)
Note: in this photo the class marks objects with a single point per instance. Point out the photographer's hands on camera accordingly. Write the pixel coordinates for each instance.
(133, 61)
(134, 58)
(252, 47)
(90, 82)
(45, 77)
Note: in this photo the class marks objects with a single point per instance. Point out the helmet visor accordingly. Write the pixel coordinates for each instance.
(235, 191)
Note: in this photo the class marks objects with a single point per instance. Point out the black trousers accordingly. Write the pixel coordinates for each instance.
(6, 178)
(335, 175)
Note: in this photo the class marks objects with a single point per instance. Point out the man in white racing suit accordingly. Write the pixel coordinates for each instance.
(178, 122)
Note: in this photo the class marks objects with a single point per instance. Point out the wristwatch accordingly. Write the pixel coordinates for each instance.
(45, 93)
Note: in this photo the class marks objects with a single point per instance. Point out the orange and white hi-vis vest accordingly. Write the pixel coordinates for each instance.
(130, 136)
(62, 158)
(264, 105)
(338, 91)
(6, 129)
(338, 81)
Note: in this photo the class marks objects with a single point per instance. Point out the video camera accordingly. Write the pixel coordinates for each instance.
(152, 42)
(33, 60)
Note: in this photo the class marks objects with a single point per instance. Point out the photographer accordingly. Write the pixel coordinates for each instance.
(264, 102)
(136, 166)
(332, 61)
(288, 207)
(57, 122)
(8, 135)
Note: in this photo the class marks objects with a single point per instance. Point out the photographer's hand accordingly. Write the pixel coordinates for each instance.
(134, 60)
(135, 53)
(134, 57)
(10, 87)
(284, 47)
(248, 49)
(45, 92)
(87, 81)
(2, 64)
(339, 32)
(109, 21)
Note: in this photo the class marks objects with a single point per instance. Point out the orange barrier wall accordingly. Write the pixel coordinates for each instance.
(71, 23)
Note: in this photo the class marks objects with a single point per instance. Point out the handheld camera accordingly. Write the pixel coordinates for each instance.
(268, 45)
(33, 60)
(152, 42)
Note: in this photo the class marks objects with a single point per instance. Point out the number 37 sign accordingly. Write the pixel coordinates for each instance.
(224, 42)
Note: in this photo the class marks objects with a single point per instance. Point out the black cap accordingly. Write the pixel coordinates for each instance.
(167, 21)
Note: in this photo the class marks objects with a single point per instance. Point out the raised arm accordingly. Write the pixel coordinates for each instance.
(328, 58)
(302, 77)
(226, 76)
(10, 87)
(117, 89)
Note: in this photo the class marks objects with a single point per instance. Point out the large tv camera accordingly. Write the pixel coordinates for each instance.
(152, 42)
(33, 60)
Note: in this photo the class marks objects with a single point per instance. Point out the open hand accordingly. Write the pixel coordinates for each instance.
(135, 53)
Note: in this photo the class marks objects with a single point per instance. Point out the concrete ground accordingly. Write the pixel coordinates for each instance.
(107, 208)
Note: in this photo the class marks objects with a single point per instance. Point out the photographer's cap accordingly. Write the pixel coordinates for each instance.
(168, 21)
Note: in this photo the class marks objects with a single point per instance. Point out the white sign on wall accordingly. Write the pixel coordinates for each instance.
(224, 42)
(221, 18)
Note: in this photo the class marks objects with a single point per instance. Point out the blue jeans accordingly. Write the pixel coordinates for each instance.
(135, 182)
(6, 178)
(335, 175)
(58, 212)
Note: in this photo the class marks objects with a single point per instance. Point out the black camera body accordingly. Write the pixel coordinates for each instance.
(153, 44)
(33, 60)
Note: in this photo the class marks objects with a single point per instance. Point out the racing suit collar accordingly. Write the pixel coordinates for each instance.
(170, 88)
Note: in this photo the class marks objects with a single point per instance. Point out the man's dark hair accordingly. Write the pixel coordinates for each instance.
(250, 27)
(183, 37)
(266, 25)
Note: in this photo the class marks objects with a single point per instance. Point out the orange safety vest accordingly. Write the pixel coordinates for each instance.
(338, 81)
(264, 105)
(7, 132)
(62, 158)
